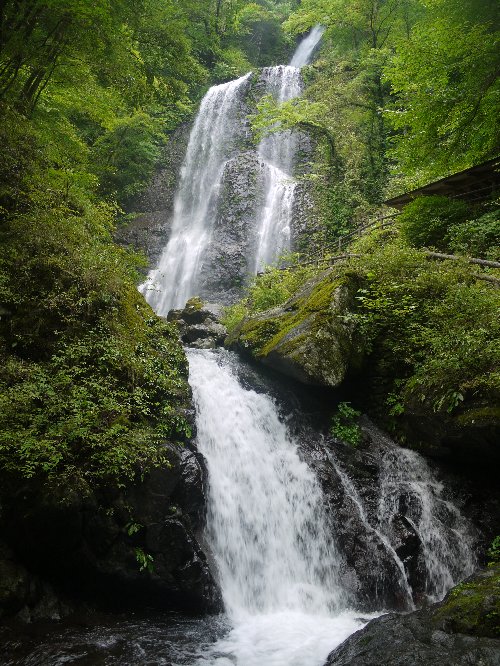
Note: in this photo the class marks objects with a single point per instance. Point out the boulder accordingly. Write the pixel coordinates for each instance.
(199, 324)
(113, 547)
(308, 338)
(463, 629)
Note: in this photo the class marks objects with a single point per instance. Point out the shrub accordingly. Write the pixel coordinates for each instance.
(345, 424)
(477, 238)
(426, 221)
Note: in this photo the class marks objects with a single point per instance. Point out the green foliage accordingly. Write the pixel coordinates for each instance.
(269, 289)
(92, 384)
(479, 237)
(231, 64)
(345, 424)
(432, 329)
(126, 154)
(234, 314)
(276, 285)
(445, 79)
(494, 551)
(144, 560)
(427, 221)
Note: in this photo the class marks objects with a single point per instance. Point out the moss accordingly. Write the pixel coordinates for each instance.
(480, 416)
(194, 304)
(307, 332)
(473, 607)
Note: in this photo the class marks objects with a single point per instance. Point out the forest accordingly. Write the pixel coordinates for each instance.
(94, 391)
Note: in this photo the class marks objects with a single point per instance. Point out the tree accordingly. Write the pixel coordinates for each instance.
(445, 77)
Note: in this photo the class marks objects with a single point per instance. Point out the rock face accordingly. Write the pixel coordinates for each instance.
(378, 498)
(464, 629)
(377, 514)
(130, 546)
(199, 324)
(227, 265)
(308, 337)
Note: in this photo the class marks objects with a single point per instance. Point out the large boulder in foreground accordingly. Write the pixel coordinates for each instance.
(463, 629)
(310, 337)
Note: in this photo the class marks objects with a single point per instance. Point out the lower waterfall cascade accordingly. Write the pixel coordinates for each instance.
(277, 560)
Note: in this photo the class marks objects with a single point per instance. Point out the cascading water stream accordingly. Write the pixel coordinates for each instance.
(213, 141)
(277, 152)
(277, 562)
(269, 535)
(408, 486)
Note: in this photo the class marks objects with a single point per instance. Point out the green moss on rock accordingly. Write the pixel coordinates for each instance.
(473, 607)
(308, 337)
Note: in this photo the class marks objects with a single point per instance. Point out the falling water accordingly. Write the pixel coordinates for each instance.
(276, 558)
(211, 143)
(307, 46)
(275, 553)
(277, 152)
(408, 487)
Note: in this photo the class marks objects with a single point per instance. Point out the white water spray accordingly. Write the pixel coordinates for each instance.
(407, 486)
(277, 152)
(307, 46)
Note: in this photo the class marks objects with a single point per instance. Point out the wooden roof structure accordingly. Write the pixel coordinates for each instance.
(475, 184)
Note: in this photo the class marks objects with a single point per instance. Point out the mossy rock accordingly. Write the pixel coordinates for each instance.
(473, 607)
(309, 337)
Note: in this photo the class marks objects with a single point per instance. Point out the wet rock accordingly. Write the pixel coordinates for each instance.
(148, 230)
(460, 631)
(199, 324)
(227, 264)
(307, 338)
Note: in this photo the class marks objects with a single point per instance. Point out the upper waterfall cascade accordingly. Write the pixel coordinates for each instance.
(219, 126)
(210, 144)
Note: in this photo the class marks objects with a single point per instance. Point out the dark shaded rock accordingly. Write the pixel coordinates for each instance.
(227, 264)
(455, 632)
(151, 212)
(469, 437)
(27, 595)
(135, 546)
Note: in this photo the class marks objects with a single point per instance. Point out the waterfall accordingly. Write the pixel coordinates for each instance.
(277, 562)
(217, 132)
(212, 141)
(307, 46)
(409, 491)
(407, 486)
(277, 152)
(268, 530)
